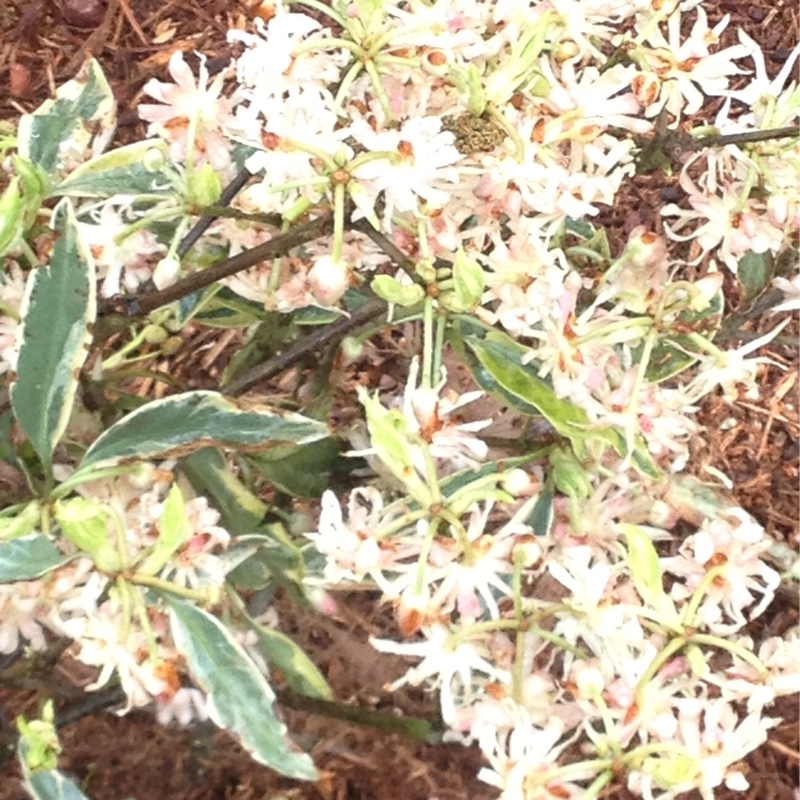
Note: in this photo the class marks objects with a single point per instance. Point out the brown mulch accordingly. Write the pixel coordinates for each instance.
(42, 44)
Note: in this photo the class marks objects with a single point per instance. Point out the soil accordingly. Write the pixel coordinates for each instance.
(753, 442)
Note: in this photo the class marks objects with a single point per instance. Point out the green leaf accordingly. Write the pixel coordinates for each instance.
(86, 524)
(299, 471)
(675, 352)
(469, 282)
(495, 361)
(57, 314)
(272, 556)
(501, 357)
(645, 569)
(240, 510)
(239, 697)
(11, 227)
(179, 425)
(23, 522)
(28, 557)
(173, 533)
(81, 119)
(541, 517)
(399, 294)
(53, 785)
(388, 435)
(300, 672)
(133, 169)
(754, 272)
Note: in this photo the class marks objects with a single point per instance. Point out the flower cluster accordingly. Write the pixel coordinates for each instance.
(117, 627)
(582, 631)
(453, 157)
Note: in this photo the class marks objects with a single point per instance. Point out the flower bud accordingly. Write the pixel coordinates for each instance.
(166, 271)
(589, 679)
(778, 209)
(645, 249)
(328, 280)
(517, 482)
(425, 403)
(570, 477)
(154, 334)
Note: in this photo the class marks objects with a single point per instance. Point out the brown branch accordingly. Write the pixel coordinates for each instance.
(324, 336)
(142, 305)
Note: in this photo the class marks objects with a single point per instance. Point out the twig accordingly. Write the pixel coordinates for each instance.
(95, 41)
(745, 137)
(328, 334)
(142, 305)
(202, 225)
(133, 22)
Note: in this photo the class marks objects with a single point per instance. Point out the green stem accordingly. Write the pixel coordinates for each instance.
(460, 534)
(438, 343)
(487, 626)
(673, 647)
(422, 560)
(510, 130)
(732, 647)
(338, 221)
(690, 610)
(323, 7)
(427, 343)
(167, 586)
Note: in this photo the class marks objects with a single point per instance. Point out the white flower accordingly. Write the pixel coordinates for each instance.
(468, 582)
(715, 740)
(731, 369)
(683, 66)
(121, 257)
(761, 93)
(449, 664)
(350, 548)
(724, 222)
(594, 99)
(108, 641)
(186, 705)
(19, 616)
(732, 546)
(185, 101)
(428, 413)
(521, 760)
(791, 291)
(422, 160)
(12, 290)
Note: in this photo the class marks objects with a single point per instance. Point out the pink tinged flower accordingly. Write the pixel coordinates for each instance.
(350, 549)
(186, 97)
(18, 616)
(106, 640)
